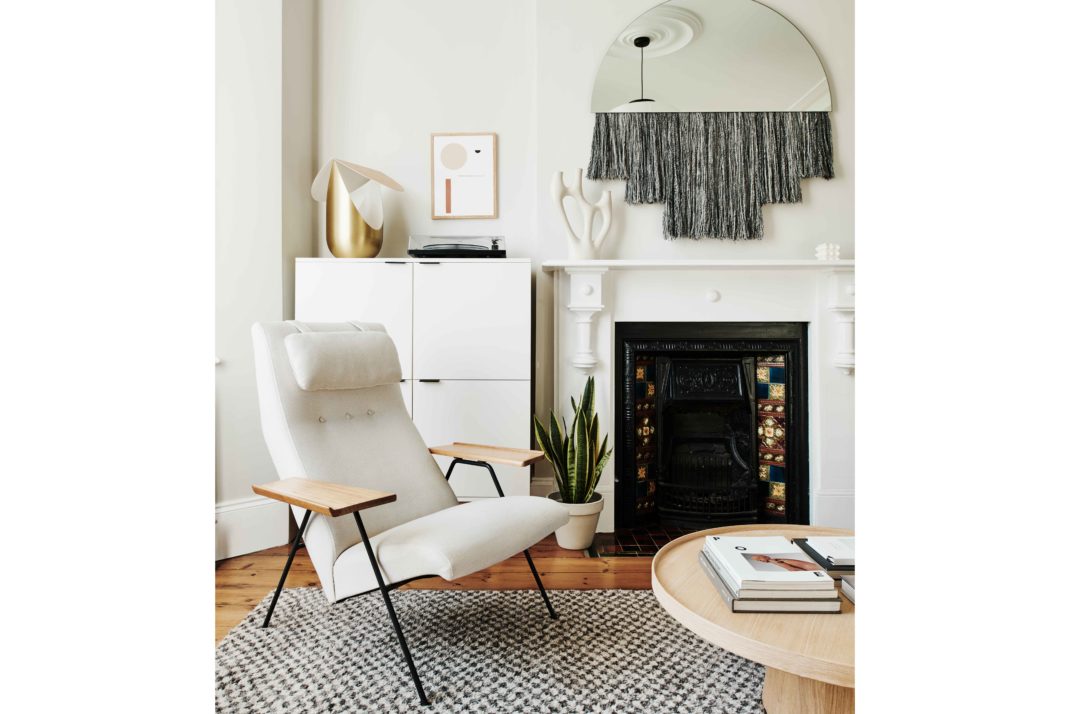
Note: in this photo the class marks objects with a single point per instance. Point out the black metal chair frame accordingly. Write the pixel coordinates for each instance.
(384, 588)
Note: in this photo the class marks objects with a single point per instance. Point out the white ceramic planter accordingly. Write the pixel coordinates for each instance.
(578, 533)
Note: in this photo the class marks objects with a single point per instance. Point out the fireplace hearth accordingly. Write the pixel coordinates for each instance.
(711, 424)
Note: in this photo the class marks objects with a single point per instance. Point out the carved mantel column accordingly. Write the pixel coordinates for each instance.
(841, 302)
(585, 302)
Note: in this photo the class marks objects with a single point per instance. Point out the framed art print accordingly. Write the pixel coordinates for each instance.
(464, 175)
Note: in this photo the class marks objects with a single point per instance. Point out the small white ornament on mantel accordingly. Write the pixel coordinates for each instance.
(585, 246)
(828, 251)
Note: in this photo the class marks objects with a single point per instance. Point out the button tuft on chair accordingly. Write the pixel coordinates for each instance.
(371, 412)
(322, 420)
(348, 415)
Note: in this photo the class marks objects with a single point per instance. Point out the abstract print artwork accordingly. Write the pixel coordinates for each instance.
(464, 175)
(771, 393)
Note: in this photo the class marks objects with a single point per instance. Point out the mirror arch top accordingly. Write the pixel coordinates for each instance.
(711, 56)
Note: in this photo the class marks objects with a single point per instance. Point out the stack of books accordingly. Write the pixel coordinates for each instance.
(835, 555)
(767, 574)
(847, 587)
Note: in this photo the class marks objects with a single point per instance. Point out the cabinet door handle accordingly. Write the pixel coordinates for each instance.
(429, 380)
(429, 262)
(395, 262)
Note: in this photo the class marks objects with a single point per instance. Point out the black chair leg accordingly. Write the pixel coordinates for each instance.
(538, 581)
(501, 494)
(390, 609)
(286, 571)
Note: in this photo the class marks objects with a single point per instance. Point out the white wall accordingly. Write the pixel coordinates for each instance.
(261, 223)
(249, 282)
(393, 72)
(300, 91)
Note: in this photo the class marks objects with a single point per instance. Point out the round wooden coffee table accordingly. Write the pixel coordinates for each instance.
(809, 659)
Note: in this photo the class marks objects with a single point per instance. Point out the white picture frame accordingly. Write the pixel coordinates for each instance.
(464, 175)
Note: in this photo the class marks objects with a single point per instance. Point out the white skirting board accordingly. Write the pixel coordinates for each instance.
(248, 525)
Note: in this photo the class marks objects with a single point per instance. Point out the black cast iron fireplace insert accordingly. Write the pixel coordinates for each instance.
(712, 424)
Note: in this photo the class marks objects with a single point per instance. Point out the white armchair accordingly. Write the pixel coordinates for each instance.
(331, 410)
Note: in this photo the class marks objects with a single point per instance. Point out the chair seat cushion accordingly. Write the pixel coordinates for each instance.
(450, 543)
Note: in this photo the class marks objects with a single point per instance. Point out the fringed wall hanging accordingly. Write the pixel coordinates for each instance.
(712, 170)
(698, 145)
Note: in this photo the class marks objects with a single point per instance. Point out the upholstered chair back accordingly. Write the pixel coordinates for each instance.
(331, 409)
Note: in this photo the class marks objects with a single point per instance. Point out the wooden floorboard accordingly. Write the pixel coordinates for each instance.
(242, 582)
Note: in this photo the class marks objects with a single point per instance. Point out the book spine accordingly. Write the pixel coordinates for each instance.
(718, 584)
(725, 575)
(807, 611)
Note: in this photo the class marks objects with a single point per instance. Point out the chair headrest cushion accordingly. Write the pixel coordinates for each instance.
(342, 360)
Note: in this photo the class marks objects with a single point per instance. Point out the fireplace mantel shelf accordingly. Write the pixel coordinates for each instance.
(585, 280)
(566, 265)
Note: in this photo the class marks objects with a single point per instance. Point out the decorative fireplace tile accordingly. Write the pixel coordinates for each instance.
(772, 395)
(646, 426)
(775, 507)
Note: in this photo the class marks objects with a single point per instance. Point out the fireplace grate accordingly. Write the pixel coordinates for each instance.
(727, 504)
(705, 463)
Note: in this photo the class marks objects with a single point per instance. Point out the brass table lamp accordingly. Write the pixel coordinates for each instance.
(354, 207)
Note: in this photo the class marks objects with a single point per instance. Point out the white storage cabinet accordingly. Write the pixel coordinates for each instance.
(463, 332)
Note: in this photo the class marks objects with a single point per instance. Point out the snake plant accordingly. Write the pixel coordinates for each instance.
(577, 458)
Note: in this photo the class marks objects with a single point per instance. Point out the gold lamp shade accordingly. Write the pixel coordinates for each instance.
(348, 234)
(354, 207)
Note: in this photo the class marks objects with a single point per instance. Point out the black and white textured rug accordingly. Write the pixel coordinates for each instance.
(479, 651)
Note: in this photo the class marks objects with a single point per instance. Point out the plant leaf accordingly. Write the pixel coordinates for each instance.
(556, 438)
(592, 445)
(598, 473)
(592, 433)
(542, 438)
(564, 443)
(602, 448)
(583, 453)
(587, 400)
(548, 447)
(570, 496)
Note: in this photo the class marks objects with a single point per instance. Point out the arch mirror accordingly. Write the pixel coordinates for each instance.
(713, 108)
(711, 56)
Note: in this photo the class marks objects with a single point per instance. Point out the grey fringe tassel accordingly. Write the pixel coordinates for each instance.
(712, 170)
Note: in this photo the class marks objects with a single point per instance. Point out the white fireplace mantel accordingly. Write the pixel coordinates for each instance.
(585, 295)
(592, 296)
(554, 265)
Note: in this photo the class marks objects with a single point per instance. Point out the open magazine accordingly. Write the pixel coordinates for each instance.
(765, 563)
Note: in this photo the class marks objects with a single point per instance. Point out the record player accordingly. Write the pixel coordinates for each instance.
(457, 246)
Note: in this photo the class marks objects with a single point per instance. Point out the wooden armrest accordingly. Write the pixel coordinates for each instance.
(490, 454)
(330, 499)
